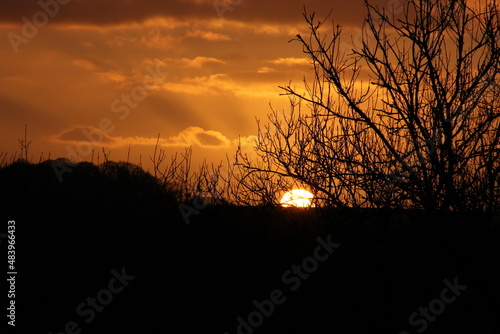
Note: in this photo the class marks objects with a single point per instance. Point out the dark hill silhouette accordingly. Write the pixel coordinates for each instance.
(202, 276)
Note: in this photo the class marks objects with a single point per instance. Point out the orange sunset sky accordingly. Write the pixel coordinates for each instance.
(122, 71)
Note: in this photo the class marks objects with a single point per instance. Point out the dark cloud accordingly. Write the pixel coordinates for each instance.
(209, 140)
(104, 12)
(81, 133)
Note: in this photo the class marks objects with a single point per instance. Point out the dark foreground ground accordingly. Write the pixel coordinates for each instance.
(105, 252)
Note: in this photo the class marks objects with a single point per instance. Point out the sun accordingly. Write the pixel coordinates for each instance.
(297, 198)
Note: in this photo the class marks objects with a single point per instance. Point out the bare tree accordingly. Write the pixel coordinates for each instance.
(222, 183)
(410, 118)
(257, 183)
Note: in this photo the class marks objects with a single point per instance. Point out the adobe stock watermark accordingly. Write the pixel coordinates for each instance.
(222, 6)
(122, 108)
(93, 305)
(30, 28)
(199, 203)
(436, 307)
(293, 278)
(395, 7)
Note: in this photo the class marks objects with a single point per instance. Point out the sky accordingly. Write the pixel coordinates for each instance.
(113, 74)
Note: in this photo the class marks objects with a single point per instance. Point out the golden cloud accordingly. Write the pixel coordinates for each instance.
(115, 77)
(291, 61)
(199, 62)
(266, 69)
(207, 35)
(155, 39)
(247, 142)
(158, 39)
(84, 64)
(223, 84)
(197, 136)
(279, 29)
(81, 134)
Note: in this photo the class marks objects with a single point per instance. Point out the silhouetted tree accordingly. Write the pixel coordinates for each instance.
(409, 118)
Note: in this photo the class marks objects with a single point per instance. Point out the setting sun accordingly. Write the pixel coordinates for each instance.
(297, 198)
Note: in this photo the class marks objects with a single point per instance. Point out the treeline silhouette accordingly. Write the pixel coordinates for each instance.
(203, 276)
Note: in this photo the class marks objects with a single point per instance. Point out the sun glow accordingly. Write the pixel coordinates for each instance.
(297, 198)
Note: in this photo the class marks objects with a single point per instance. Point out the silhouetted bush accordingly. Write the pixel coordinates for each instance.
(202, 276)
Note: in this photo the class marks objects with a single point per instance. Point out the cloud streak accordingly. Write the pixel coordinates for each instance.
(191, 136)
(199, 62)
(110, 12)
(290, 61)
